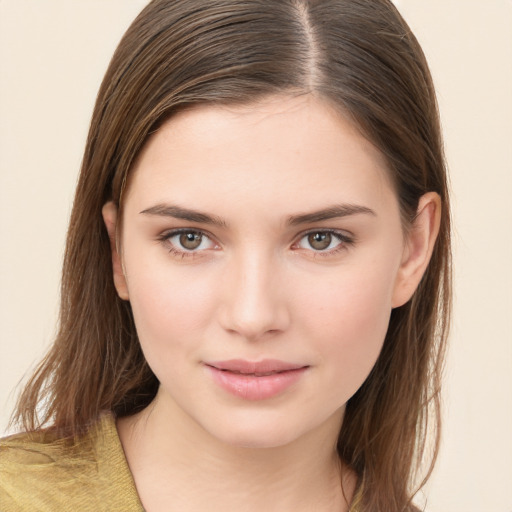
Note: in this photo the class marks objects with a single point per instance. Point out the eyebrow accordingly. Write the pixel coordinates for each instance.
(332, 212)
(179, 212)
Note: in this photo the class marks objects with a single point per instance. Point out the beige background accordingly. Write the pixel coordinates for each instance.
(53, 55)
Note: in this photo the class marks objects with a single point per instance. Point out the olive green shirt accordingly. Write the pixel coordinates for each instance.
(41, 473)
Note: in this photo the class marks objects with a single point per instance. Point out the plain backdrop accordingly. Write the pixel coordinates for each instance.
(53, 54)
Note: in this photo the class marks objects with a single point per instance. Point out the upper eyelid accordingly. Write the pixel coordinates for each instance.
(168, 233)
(342, 234)
(165, 238)
(339, 232)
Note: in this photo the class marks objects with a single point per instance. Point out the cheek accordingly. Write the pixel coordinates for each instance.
(170, 309)
(349, 318)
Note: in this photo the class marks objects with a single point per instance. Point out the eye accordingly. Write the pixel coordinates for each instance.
(188, 240)
(324, 241)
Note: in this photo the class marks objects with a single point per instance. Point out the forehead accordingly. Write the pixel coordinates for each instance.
(277, 151)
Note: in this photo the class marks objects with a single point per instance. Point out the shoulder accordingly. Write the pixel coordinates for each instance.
(41, 472)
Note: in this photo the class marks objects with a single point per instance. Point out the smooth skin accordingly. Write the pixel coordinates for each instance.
(269, 231)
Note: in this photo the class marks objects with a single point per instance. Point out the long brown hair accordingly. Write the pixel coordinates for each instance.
(361, 57)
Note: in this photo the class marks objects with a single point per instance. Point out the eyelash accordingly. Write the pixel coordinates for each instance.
(345, 241)
(183, 253)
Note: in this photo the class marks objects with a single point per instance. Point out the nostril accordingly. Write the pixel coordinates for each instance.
(253, 305)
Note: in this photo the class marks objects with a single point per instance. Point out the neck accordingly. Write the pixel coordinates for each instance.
(174, 461)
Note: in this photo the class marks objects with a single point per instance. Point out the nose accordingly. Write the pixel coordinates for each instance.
(254, 304)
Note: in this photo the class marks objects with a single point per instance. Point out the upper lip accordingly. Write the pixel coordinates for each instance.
(267, 366)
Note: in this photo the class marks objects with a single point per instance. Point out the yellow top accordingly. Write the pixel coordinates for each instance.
(40, 473)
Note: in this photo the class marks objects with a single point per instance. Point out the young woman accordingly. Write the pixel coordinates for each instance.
(256, 287)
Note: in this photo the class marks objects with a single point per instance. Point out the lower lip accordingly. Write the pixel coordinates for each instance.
(251, 387)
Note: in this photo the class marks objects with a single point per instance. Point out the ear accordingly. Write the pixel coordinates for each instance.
(109, 212)
(418, 248)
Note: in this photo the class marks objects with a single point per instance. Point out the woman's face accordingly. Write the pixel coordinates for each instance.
(261, 250)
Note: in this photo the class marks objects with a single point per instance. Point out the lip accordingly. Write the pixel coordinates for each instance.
(255, 380)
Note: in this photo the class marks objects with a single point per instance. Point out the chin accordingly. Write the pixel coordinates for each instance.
(250, 439)
(261, 431)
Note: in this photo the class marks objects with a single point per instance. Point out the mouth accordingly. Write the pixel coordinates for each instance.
(255, 374)
(259, 368)
(255, 380)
